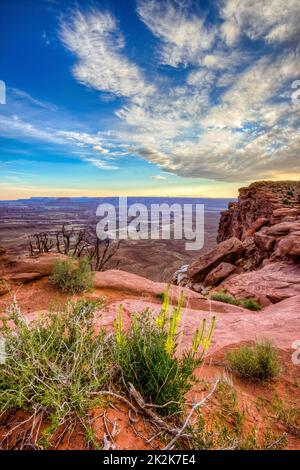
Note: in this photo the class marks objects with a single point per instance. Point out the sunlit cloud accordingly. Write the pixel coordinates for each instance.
(184, 37)
(213, 101)
(97, 43)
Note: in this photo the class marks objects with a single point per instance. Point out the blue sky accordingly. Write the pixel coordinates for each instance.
(171, 98)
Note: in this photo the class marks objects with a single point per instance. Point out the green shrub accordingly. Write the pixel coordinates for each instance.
(285, 202)
(223, 297)
(73, 276)
(251, 304)
(289, 414)
(146, 357)
(160, 296)
(257, 362)
(53, 364)
(218, 435)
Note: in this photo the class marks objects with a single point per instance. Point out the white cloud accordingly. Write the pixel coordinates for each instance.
(184, 36)
(250, 133)
(229, 115)
(81, 138)
(14, 126)
(101, 164)
(96, 41)
(159, 177)
(100, 149)
(272, 20)
(23, 95)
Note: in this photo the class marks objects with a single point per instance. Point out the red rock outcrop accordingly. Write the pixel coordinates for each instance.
(25, 269)
(266, 200)
(262, 227)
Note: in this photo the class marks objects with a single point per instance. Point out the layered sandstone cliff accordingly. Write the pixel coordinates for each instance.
(261, 203)
(258, 251)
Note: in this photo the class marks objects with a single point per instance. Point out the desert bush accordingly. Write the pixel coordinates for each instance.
(160, 296)
(53, 364)
(257, 362)
(251, 304)
(73, 276)
(224, 426)
(289, 414)
(146, 356)
(222, 296)
(215, 434)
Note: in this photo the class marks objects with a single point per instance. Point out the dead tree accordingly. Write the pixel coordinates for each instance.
(80, 243)
(40, 243)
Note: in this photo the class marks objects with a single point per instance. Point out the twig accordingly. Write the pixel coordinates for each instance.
(197, 405)
(273, 444)
(116, 395)
(160, 423)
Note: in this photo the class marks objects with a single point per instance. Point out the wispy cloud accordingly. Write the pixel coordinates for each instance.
(159, 177)
(184, 36)
(98, 46)
(23, 95)
(227, 115)
(233, 118)
(274, 21)
(77, 144)
(101, 164)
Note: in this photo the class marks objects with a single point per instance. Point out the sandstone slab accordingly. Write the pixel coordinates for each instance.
(270, 284)
(227, 251)
(24, 278)
(279, 323)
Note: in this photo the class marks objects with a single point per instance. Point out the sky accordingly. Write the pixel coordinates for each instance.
(147, 97)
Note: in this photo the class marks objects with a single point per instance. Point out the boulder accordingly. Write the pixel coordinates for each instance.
(227, 251)
(290, 245)
(257, 225)
(270, 284)
(263, 241)
(218, 274)
(42, 264)
(282, 229)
